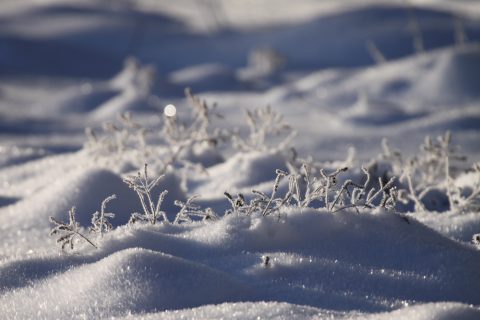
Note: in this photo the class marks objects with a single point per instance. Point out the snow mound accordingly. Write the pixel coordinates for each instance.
(370, 111)
(453, 76)
(287, 311)
(84, 99)
(205, 77)
(85, 189)
(127, 101)
(133, 280)
(339, 40)
(134, 84)
(316, 258)
(242, 170)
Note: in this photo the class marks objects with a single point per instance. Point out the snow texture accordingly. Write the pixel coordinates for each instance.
(343, 74)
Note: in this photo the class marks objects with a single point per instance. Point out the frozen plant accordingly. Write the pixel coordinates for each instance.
(272, 204)
(188, 210)
(430, 168)
(476, 239)
(393, 156)
(68, 232)
(469, 202)
(100, 223)
(375, 53)
(266, 261)
(460, 35)
(277, 202)
(414, 28)
(263, 124)
(266, 61)
(304, 188)
(143, 186)
(435, 158)
(182, 136)
(237, 203)
(186, 140)
(117, 138)
(260, 202)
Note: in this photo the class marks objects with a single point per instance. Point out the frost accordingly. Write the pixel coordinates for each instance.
(143, 186)
(100, 223)
(68, 233)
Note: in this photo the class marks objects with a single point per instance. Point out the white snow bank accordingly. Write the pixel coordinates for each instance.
(242, 171)
(287, 311)
(85, 189)
(134, 280)
(452, 77)
(344, 261)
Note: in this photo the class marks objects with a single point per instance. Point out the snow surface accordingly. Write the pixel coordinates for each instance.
(68, 65)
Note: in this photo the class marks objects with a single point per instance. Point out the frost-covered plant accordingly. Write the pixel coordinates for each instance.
(465, 203)
(143, 186)
(347, 195)
(461, 37)
(238, 203)
(189, 209)
(100, 223)
(263, 124)
(260, 203)
(430, 168)
(266, 261)
(266, 61)
(303, 189)
(435, 158)
(269, 205)
(375, 52)
(184, 139)
(68, 232)
(393, 156)
(181, 135)
(476, 239)
(116, 138)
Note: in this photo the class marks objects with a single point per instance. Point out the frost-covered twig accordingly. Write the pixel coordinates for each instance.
(330, 182)
(280, 175)
(100, 223)
(342, 191)
(68, 232)
(260, 202)
(117, 137)
(471, 202)
(188, 210)
(238, 203)
(143, 186)
(375, 53)
(371, 196)
(180, 136)
(264, 123)
(430, 169)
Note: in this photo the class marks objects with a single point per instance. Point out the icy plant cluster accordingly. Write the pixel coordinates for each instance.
(263, 125)
(387, 181)
(304, 189)
(116, 139)
(68, 232)
(435, 167)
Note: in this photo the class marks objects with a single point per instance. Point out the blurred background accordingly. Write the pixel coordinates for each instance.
(344, 73)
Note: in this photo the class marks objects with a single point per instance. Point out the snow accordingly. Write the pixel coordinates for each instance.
(69, 65)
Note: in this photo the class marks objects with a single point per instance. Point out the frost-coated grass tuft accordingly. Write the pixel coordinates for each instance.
(68, 233)
(143, 186)
(100, 223)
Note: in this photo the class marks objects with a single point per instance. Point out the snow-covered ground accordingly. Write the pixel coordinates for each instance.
(83, 89)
